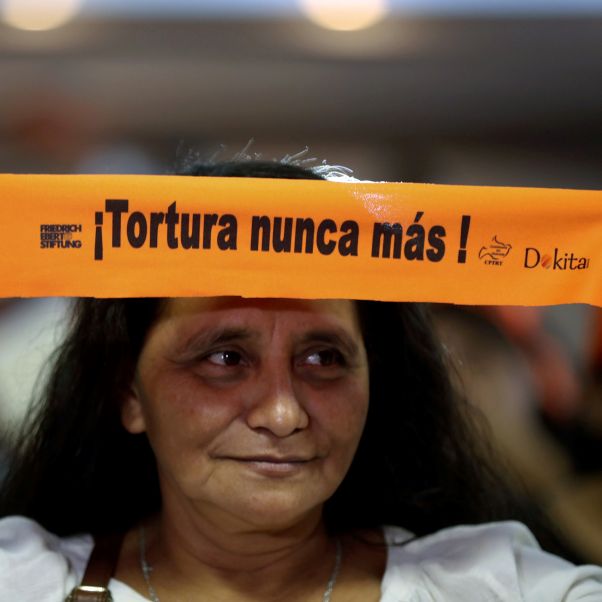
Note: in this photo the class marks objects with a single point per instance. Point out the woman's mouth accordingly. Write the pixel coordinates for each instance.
(274, 465)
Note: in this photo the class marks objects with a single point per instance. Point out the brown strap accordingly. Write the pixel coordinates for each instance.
(101, 567)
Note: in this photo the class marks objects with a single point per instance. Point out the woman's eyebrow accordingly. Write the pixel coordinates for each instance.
(227, 334)
(336, 337)
(201, 341)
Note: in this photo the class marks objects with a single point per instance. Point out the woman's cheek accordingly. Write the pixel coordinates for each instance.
(344, 413)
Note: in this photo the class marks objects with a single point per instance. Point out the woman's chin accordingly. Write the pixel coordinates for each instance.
(249, 499)
(276, 514)
(274, 511)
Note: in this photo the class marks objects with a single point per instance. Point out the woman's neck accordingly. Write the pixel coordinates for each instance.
(222, 557)
(192, 563)
(226, 543)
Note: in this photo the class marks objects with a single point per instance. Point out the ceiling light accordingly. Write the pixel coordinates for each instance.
(345, 15)
(38, 15)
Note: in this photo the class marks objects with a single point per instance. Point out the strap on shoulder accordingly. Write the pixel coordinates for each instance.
(101, 567)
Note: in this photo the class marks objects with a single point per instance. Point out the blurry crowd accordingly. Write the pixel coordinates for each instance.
(536, 374)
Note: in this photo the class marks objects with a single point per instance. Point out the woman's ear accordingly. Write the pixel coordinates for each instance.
(132, 416)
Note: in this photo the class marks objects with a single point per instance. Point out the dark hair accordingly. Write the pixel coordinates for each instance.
(419, 463)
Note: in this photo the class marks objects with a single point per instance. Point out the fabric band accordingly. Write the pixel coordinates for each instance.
(133, 236)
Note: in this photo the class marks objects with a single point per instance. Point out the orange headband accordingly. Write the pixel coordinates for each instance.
(131, 236)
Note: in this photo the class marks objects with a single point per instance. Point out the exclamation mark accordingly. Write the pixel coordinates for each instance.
(98, 236)
(463, 238)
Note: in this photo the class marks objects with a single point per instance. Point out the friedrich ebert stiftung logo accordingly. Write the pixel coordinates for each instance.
(60, 236)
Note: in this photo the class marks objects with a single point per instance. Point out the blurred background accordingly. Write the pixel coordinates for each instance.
(483, 92)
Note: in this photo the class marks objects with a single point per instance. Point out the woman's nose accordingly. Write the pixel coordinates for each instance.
(276, 406)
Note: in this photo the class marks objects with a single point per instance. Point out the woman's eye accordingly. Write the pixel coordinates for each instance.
(224, 358)
(325, 357)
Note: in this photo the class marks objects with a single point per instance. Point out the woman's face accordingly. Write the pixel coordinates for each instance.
(254, 408)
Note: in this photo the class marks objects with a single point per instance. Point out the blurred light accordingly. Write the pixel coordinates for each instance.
(38, 15)
(345, 15)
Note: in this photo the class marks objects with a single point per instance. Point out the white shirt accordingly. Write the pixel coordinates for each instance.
(494, 562)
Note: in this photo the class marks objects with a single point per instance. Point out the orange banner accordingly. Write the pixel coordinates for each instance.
(131, 236)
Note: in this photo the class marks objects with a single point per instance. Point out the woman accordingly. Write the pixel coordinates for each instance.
(253, 449)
